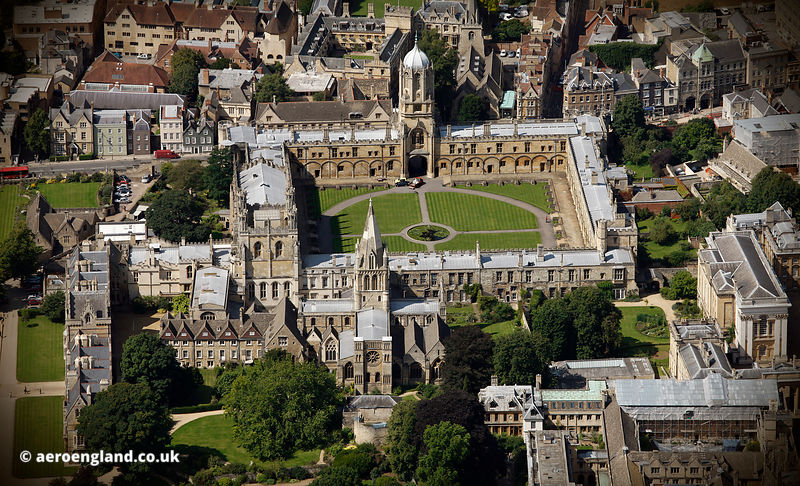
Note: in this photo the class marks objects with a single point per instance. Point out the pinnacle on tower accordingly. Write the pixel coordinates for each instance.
(371, 231)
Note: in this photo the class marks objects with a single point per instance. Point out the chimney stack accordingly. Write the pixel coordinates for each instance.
(345, 9)
(494, 380)
(371, 10)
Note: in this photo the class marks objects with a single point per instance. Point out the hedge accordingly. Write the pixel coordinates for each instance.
(85, 156)
(204, 407)
(59, 158)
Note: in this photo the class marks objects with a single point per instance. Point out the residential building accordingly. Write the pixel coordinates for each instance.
(65, 57)
(29, 93)
(454, 20)
(139, 132)
(710, 410)
(222, 24)
(88, 372)
(737, 286)
(231, 90)
(367, 416)
(787, 18)
(199, 136)
(110, 133)
(696, 349)
(281, 30)
(766, 67)
(108, 72)
(116, 100)
(506, 407)
(243, 55)
(654, 200)
(577, 411)
(773, 139)
(170, 122)
(703, 72)
(9, 137)
(702, 467)
(588, 91)
(72, 129)
(367, 114)
(79, 17)
(133, 28)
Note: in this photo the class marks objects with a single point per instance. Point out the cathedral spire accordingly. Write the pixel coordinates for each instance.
(371, 232)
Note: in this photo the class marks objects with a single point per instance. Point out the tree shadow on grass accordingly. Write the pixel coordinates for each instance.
(195, 458)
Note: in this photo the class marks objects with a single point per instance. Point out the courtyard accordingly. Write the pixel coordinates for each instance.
(498, 217)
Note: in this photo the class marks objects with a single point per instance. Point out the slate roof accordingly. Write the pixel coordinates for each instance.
(210, 287)
(117, 100)
(369, 402)
(263, 184)
(324, 111)
(281, 19)
(712, 391)
(372, 324)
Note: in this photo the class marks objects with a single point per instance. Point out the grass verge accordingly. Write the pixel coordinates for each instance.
(39, 350)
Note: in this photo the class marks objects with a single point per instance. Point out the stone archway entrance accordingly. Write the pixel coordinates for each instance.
(705, 101)
(417, 166)
(690, 102)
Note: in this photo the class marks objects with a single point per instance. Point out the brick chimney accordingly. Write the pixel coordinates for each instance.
(204, 76)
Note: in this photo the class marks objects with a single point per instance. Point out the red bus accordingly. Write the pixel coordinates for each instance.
(166, 154)
(14, 172)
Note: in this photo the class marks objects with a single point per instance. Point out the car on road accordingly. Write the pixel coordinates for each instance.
(416, 182)
(34, 300)
(402, 181)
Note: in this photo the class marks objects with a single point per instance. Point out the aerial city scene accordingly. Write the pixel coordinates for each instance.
(422, 242)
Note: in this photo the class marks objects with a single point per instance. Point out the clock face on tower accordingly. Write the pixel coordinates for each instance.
(373, 357)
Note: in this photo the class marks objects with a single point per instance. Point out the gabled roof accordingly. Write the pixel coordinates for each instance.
(281, 20)
(158, 14)
(107, 68)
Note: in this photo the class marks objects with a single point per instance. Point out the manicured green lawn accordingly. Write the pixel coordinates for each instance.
(394, 212)
(465, 212)
(216, 432)
(8, 208)
(344, 244)
(534, 194)
(38, 423)
(399, 244)
(39, 350)
(458, 317)
(640, 171)
(500, 328)
(70, 194)
(320, 201)
(632, 339)
(492, 241)
(358, 8)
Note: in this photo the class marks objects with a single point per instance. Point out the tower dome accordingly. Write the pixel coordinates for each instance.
(416, 59)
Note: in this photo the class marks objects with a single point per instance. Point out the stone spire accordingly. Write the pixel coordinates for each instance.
(372, 235)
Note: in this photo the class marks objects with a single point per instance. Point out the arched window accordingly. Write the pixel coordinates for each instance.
(262, 290)
(189, 271)
(375, 282)
(313, 321)
(346, 321)
(348, 371)
(275, 288)
(416, 371)
(278, 248)
(87, 318)
(371, 261)
(437, 369)
(330, 321)
(251, 290)
(366, 282)
(330, 351)
(377, 377)
(207, 316)
(99, 314)
(257, 250)
(287, 287)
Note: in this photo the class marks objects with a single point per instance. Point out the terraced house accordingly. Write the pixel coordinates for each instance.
(72, 129)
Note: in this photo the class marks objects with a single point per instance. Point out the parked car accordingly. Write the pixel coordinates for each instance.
(416, 182)
(143, 56)
(166, 154)
(400, 182)
(503, 53)
(34, 300)
(146, 178)
(724, 11)
(506, 16)
(512, 53)
(123, 189)
(521, 14)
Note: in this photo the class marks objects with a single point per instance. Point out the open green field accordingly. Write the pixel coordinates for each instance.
(8, 208)
(492, 241)
(39, 350)
(465, 212)
(634, 343)
(656, 251)
(38, 428)
(319, 201)
(400, 244)
(533, 194)
(70, 194)
(358, 8)
(215, 434)
(640, 172)
(394, 212)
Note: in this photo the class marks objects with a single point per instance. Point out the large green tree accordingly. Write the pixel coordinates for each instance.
(519, 357)
(148, 359)
(468, 365)
(19, 255)
(597, 323)
(53, 306)
(769, 186)
(37, 133)
(279, 406)
(472, 108)
(661, 231)
(697, 139)
(186, 175)
(447, 448)
(125, 417)
(485, 463)
(272, 87)
(552, 321)
(400, 447)
(444, 60)
(618, 55)
(510, 31)
(175, 214)
(218, 175)
(684, 284)
(628, 118)
(186, 65)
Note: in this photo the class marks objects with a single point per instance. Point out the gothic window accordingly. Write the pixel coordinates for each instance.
(373, 357)
(348, 371)
(437, 369)
(207, 316)
(278, 249)
(330, 321)
(330, 351)
(287, 288)
(374, 282)
(275, 288)
(257, 250)
(313, 321)
(263, 290)
(251, 290)
(371, 261)
(346, 321)
(366, 282)
(189, 272)
(377, 377)
(416, 371)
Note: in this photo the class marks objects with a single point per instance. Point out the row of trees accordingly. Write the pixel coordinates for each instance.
(583, 324)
